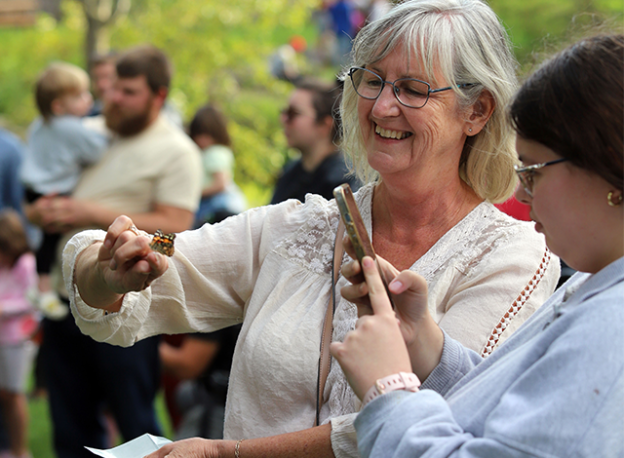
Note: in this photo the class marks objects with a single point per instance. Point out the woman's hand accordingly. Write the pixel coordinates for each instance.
(123, 263)
(421, 334)
(376, 348)
(408, 289)
(126, 259)
(192, 448)
(357, 292)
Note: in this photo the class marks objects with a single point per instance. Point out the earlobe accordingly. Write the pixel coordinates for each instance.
(480, 113)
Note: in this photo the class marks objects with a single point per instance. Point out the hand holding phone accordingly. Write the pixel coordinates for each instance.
(356, 230)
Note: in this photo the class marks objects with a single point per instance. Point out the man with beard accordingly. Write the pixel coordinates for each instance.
(151, 172)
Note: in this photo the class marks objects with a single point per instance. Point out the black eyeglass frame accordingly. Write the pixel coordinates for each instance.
(397, 90)
(526, 173)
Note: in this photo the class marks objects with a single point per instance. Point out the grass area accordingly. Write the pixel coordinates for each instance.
(40, 428)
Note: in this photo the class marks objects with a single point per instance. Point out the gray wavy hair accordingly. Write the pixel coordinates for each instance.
(464, 41)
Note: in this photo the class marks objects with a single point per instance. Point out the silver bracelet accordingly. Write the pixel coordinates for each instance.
(237, 449)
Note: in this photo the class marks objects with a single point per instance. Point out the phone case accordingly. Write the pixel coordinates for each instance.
(356, 230)
(354, 225)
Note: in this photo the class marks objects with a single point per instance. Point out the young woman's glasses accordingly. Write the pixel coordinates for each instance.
(526, 174)
(410, 92)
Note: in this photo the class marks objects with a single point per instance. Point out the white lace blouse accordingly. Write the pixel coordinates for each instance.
(270, 268)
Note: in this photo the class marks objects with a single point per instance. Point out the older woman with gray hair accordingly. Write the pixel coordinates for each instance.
(424, 125)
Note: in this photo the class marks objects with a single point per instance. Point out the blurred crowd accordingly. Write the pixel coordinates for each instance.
(107, 141)
(104, 144)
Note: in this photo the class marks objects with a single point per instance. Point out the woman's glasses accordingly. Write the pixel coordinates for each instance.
(526, 174)
(410, 92)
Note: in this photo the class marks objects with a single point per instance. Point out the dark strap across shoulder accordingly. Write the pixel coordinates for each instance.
(326, 338)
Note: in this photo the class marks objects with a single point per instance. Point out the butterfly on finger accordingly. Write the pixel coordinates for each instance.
(163, 243)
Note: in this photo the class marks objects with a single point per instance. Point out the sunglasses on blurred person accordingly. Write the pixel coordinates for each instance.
(289, 114)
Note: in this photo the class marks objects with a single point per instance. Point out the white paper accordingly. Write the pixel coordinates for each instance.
(136, 448)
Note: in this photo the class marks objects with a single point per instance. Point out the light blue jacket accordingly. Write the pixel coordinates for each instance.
(554, 389)
(57, 152)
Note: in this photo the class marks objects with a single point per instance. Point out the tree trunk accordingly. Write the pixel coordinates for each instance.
(91, 40)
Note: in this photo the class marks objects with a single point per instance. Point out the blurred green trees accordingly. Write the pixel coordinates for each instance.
(220, 52)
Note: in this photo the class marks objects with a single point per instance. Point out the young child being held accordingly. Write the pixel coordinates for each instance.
(18, 322)
(59, 147)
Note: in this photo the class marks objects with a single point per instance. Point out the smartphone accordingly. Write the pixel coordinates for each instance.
(354, 225)
(356, 230)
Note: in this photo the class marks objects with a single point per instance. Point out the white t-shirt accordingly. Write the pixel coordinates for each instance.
(160, 165)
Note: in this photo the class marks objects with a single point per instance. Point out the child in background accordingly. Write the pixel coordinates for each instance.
(220, 195)
(59, 148)
(18, 322)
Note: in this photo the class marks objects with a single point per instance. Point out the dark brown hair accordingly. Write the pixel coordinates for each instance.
(211, 121)
(574, 105)
(147, 61)
(325, 100)
(13, 241)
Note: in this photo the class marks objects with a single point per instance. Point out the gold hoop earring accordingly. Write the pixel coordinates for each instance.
(612, 202)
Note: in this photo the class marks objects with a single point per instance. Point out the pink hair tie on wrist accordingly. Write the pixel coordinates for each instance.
(400, 381)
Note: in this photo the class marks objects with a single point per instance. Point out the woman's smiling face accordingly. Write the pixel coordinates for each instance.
(401, 139)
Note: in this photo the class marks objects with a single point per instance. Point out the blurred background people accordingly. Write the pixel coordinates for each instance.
(11, 157)
(59, 147)
(151, 170)
(18, 323)
(202, 362)
(11, 197)
(221, 196)
(311, 125)
(103, 75)
(342, 17)
(283, 63)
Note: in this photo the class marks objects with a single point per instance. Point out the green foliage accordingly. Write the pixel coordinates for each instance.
(538, 26)
(220, 52)
(25, 53)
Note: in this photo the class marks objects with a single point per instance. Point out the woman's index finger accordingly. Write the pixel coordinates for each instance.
(379, 299)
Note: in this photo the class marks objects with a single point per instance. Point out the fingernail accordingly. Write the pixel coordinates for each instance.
(108, 244)
(112, 265)
(395, 286)
(367, 262)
